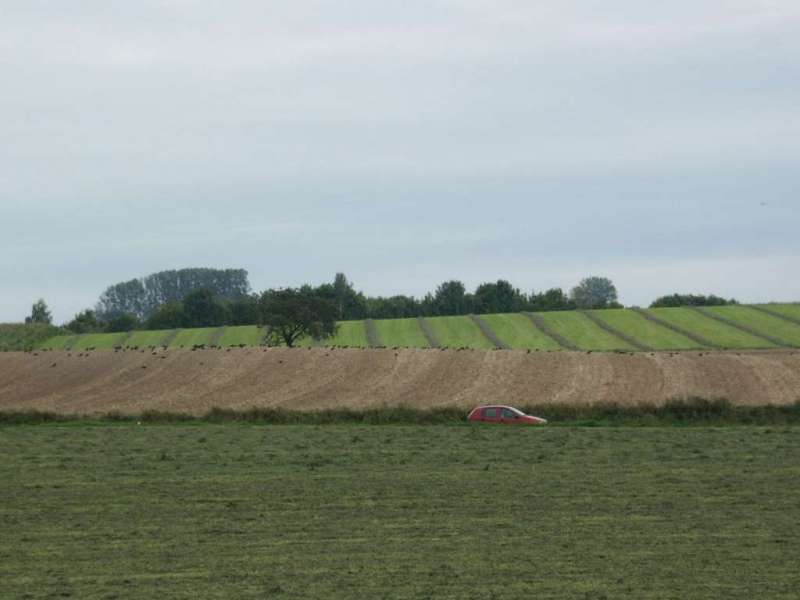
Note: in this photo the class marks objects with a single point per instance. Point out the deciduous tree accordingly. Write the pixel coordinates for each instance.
(291, 314)
(594, 292)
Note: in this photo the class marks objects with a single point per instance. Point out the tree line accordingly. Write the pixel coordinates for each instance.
(213, 298)
(121, 307)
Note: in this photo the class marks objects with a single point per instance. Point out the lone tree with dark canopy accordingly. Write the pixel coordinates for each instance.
(289, 315)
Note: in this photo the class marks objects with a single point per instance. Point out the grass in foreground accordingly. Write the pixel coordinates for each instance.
(398, 512)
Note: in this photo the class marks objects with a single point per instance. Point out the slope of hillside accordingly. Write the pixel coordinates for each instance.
(737, 327)
(350, 333)
(21, 336)
(303, 379)
(458, 332)
(647, 332)
(781, 330)
(404, 333)
(519, 333)
(580, 331)
(720, 334)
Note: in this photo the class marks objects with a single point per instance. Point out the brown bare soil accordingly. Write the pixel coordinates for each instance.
(316, 378)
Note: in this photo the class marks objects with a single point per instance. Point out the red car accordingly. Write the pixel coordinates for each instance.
(503, 414)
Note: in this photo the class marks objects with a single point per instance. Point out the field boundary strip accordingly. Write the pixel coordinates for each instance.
(373, 338)
(433, 341)
(616, 332)
(217, 337)
(488, 333)
(684, 332)
(71, 342)
(170, 337)
(774, 313)
(125, 339)
(542, 326)
(745, 328)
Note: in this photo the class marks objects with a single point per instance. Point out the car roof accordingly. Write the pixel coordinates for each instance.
(495, 406)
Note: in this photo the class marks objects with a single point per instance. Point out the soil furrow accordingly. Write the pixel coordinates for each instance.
(194, 381)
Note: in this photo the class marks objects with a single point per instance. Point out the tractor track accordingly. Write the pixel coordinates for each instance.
(488, 333)
(542, 326)
(616, 332)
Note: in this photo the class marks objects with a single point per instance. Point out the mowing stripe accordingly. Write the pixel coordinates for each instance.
(170, 337)
(747, 329)
(540, 324)
(125, 339)
(615, 332)
(775, 313)
(433, 342)
(70, 343)
(215, 339)
(373, 339)
(488, 333)
(684, 332)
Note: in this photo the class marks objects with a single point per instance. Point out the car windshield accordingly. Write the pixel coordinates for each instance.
(515, 411)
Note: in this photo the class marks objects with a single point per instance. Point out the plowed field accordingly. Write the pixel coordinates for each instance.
(316, 378)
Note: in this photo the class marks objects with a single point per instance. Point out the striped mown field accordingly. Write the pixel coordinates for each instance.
(724, 327)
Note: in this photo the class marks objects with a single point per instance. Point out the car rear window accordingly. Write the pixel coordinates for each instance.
(490, 413)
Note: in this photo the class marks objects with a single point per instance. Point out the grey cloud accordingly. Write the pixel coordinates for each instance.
(402, 143)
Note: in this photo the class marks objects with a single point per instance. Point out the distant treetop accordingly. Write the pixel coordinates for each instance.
(676, 300)
(141, 297)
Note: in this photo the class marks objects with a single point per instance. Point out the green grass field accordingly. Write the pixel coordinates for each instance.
(99, 341)
(399, 512)
(144, 339)
(761, 322)
(579, 330)
(350, 333)
(790, 310)
(249, 335)
(515, 330)
(193, 337)
(458, 332)
(19, 336)
(59, 342)
(649, 333)
(405, 333)
(718, 333)
(518, 332)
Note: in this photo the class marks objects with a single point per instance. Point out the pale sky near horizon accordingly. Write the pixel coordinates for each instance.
(403, 143)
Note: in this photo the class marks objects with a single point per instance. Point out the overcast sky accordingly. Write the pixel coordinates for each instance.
(404, 143)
